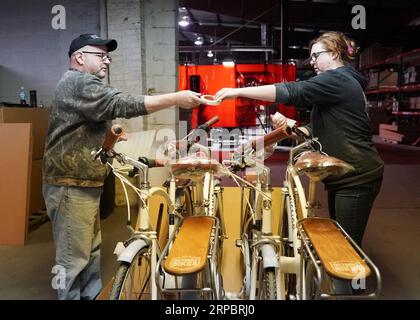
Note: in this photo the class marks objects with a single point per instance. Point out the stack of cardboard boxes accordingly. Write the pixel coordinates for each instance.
(376, 53)
(22, 139)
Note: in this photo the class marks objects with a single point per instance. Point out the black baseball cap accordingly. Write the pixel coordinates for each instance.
(92, 40)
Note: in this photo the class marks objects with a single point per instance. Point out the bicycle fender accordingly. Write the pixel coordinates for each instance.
(269, 256)
(128, 254)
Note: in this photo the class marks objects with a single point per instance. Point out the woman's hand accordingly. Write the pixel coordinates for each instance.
(279, 121)
(187, 99)
(226, 93)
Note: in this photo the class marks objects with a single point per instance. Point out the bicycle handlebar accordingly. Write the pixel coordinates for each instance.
(270, 138)
(152, 163)
(206, 125)
(114, 135)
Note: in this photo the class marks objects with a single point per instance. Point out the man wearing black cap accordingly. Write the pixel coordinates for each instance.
(72, 183)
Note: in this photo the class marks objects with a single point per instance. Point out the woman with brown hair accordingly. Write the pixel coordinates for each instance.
(339, 119)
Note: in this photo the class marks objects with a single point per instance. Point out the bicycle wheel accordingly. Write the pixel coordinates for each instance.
(312, 284)
(184, 201)
(313, 287)
(290, 281)
(216, 243)
(268, 287)
(132, 280)
(220, 292)
(246, 265)
(246, 253)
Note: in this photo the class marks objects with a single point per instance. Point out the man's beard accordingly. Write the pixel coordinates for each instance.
(97, 73)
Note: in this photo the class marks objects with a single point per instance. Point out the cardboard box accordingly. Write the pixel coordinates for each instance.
(388, 78)
(39, 119)
(412, 102)
(373, 78)
(15, 166)
(36, 200)
(377, 53)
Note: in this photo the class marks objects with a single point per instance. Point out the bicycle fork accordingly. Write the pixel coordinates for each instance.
(291, 264)
(265, 251)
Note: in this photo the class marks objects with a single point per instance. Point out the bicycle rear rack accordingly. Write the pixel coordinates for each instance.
(194, 278)
(309, 249)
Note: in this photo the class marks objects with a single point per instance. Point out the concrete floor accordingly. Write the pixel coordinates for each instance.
(392, 238)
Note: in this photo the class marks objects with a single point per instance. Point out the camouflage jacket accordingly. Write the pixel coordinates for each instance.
(79, 117)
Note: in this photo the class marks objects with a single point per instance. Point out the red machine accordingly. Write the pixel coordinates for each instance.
(208, 79)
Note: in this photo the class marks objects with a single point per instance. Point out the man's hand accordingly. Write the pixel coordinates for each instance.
(226, 93)
(279, 121)
(187, 99)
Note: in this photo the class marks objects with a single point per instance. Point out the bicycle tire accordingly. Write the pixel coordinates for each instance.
(311, 282)
(246, 265)
(185, 201)
(290, 281)
(131, 283)
(219, 214)
(268, 290)
(216, 248)
(313, 287)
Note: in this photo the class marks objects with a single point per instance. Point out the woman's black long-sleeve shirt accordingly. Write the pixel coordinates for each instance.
(339, 119)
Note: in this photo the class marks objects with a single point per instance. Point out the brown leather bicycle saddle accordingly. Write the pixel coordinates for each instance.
(193, 167)
(318, 166)
(180, 183)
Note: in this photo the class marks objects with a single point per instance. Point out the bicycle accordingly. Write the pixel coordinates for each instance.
(142, 273)
(194, 251)
(317, 253)
(139, 254)
(296, 262)
(259, 245)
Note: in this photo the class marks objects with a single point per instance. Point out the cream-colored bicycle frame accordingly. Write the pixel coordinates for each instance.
(206, 199)
(144, 230)
(294, 191)
(264, 246)
(299, 208)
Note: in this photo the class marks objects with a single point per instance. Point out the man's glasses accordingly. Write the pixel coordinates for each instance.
(315, 55)
(103, 55)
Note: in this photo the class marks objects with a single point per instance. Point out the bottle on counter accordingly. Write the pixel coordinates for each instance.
(32, 98)
(22, 96)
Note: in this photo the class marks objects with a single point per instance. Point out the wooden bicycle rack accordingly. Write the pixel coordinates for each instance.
(330, 247)
(191, 246)
(335, 252)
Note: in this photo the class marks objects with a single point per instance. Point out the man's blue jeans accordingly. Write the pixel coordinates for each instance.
(74, 213)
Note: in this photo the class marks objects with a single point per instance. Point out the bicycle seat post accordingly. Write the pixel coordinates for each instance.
(313, 204)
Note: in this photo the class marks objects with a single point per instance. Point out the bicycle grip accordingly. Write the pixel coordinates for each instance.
(155, 163)
(270, 138)
(115, 134)
(208, 123)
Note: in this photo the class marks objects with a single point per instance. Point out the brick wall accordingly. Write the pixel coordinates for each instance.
(144, 63)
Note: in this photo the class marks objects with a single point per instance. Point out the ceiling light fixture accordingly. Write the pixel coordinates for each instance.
(185, 21)
(210, 54)
(228, 63)
(199, 41)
